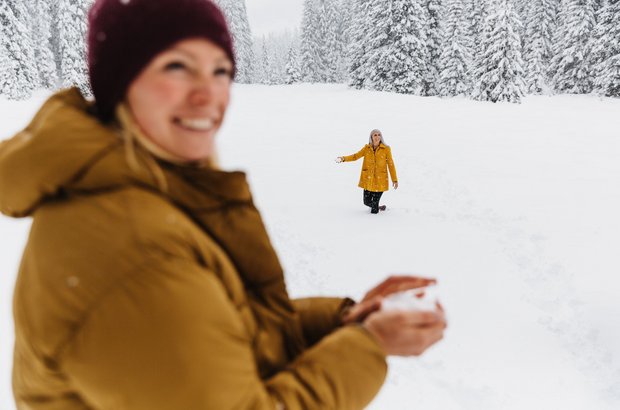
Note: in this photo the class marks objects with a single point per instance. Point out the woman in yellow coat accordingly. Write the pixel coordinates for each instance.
(148, 280)
(374, 177)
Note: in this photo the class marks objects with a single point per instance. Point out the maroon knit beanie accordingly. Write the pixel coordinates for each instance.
(125, 35)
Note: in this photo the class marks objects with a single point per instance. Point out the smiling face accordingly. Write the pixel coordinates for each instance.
(376, 139)
(179, 100)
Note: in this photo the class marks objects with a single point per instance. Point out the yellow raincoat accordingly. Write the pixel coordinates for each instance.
(375, 167)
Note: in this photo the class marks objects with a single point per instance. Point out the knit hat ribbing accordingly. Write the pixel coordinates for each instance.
(125, 35)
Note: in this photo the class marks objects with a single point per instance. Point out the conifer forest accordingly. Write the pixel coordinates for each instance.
(487, 50)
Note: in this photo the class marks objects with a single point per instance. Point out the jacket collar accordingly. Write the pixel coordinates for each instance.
(66, 149)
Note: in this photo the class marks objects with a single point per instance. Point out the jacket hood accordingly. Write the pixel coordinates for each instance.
(66, 150)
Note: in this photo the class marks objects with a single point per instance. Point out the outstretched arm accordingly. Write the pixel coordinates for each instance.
(355, 156)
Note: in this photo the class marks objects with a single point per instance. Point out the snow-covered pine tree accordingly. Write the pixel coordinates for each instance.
(432, 12)
(597, 51)
(476, 12)
(454, 78)
(6, 71)
(55, 40)
(18, 76)
(237, 17)
(571, 73)
(537, 47)
(397, 54)
(333, 44)
(279, 48)
(273, 52)
(40, 12)
(522, 7)
(263, 63)
(374, 71)
(559, 32)
(293, 67)
(357, 49)
(323, 56)
(345, 20)
(325, 37)
(259, 65)
(605, 52)
(500, 68)
(71, 25)
(310, 41)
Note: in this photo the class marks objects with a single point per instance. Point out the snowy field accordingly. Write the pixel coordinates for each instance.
(514, 208)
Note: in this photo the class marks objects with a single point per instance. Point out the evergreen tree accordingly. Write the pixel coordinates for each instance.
(373, 70)
(431, 14)
(270, 77)
(322, 48)
(237, 17)
(605, 54)
(571, 72)
(454, 77)
(332, 46)
(275, 53)
(279, 49)
(6, 72)
(500, 69)
(475, 15)
(598, 48)
(324, 40)
(397, 54)
(538, 46)
(344, 21)
(358, 47)
(55, 41)
(522, 8)
(293, 67)
(262, 62)
(18, 76)
(71, 25)
(310, 41)
(270, 68)
(40, 12)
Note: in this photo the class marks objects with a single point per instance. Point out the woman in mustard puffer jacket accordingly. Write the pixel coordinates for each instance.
(149, 280)
(377, 161)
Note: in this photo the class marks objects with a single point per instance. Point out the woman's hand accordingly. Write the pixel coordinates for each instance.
(339, 160)
(372, 301)
(395, 184)
(406, 333)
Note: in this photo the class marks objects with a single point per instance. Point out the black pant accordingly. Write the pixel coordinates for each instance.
(371, 199)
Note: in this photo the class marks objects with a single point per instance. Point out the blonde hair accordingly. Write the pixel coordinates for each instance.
(137, 144)
(380, 134)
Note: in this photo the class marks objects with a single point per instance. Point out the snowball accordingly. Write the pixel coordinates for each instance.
(414, 299)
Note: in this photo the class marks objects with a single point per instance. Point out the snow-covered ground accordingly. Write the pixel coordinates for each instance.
(514, 208)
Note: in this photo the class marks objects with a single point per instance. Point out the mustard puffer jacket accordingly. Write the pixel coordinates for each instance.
(133, 294)
(375, 167)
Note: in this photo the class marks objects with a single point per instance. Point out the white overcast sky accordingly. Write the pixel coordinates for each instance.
(267, 16)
